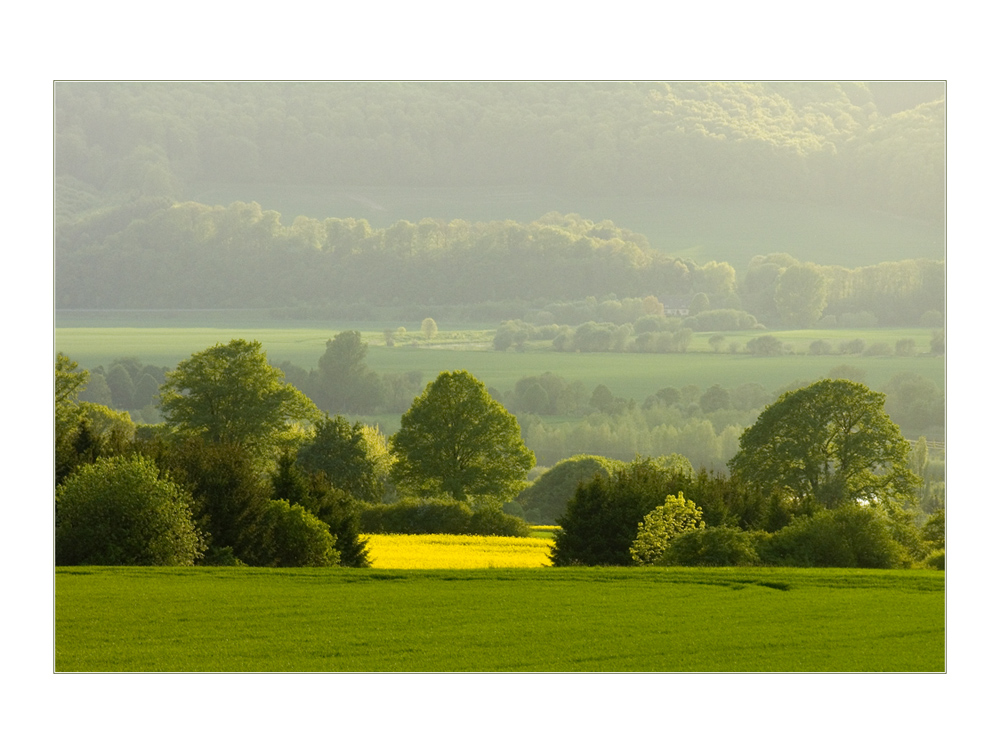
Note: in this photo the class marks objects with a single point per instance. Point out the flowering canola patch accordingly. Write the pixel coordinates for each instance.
(457, 551)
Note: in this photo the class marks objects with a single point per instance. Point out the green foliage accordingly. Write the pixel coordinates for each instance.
(713, 546)
(224, 480)
(439, 516)
(340, 450)
(545, 500)
(457, 440)
(721, 319)
(602, 519)
(417, 516)
(935, 560)
(344, 382)
(230, 394)
(828, 444)
(765, 345)
(278, 534)
(342, 514)
(800, 295)
(661, 525)
(852, 536)
(428, 328)
(491, 522)
(933, 530)
(123, 511)
(69, 383)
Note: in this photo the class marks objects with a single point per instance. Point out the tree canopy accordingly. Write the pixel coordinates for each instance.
(827, 444)
(230, 395)
(458, 440)
(123, 511)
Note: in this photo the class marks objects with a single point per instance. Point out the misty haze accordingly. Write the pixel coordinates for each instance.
(654, 324)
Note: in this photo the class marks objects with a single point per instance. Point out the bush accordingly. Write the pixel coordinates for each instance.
(283, 535)
(765, 345)
(851, 536)
(714, 546)
(342, 515)
(122, 511)
(547, 497)
(933, 530)
(935, 560)
(491, 522)
(878, 349)
(221, 556)
(602, 519)
(415, 516)
(721, 319)
(662, 524)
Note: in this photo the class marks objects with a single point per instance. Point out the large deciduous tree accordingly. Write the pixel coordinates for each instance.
(801, 295)
(230, 394)
(340, 450)
(345, 381)
(458, 440)
(825, 445)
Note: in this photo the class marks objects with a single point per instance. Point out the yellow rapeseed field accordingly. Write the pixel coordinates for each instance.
(456, 551)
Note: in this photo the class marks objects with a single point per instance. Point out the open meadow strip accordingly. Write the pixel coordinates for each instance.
(529, 619)
(457, 551)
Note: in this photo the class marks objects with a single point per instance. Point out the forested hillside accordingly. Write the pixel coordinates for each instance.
(157, 254)
(822, 141)
(130, 157)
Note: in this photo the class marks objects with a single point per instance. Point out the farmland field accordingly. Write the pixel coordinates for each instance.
(530, 619)
(629, 375)
(457, 551)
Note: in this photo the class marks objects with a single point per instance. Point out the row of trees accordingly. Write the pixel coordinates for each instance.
(823, 477)
(195, 256)
(852, 142)
(247, 469)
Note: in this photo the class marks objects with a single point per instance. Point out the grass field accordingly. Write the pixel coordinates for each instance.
(530, 619)
(629, 375)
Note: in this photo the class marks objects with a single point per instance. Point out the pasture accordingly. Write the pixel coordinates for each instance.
(498, 620)
(629, 375)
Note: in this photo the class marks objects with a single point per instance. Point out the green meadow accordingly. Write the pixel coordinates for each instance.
(493, 620)
(629, 375)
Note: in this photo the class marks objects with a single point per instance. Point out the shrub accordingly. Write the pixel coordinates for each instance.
(765, 345)
(416, 516)
(123, 511)
(714, 546)
(878, 349)
(283, 535)
(935, 560)
(602, 519)
(721, 319)
(932, 532)
(491, 522)
(851, 536)
(221, 556)
(852, 346)
(546, 499)
(342, 515)
(662, 524)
